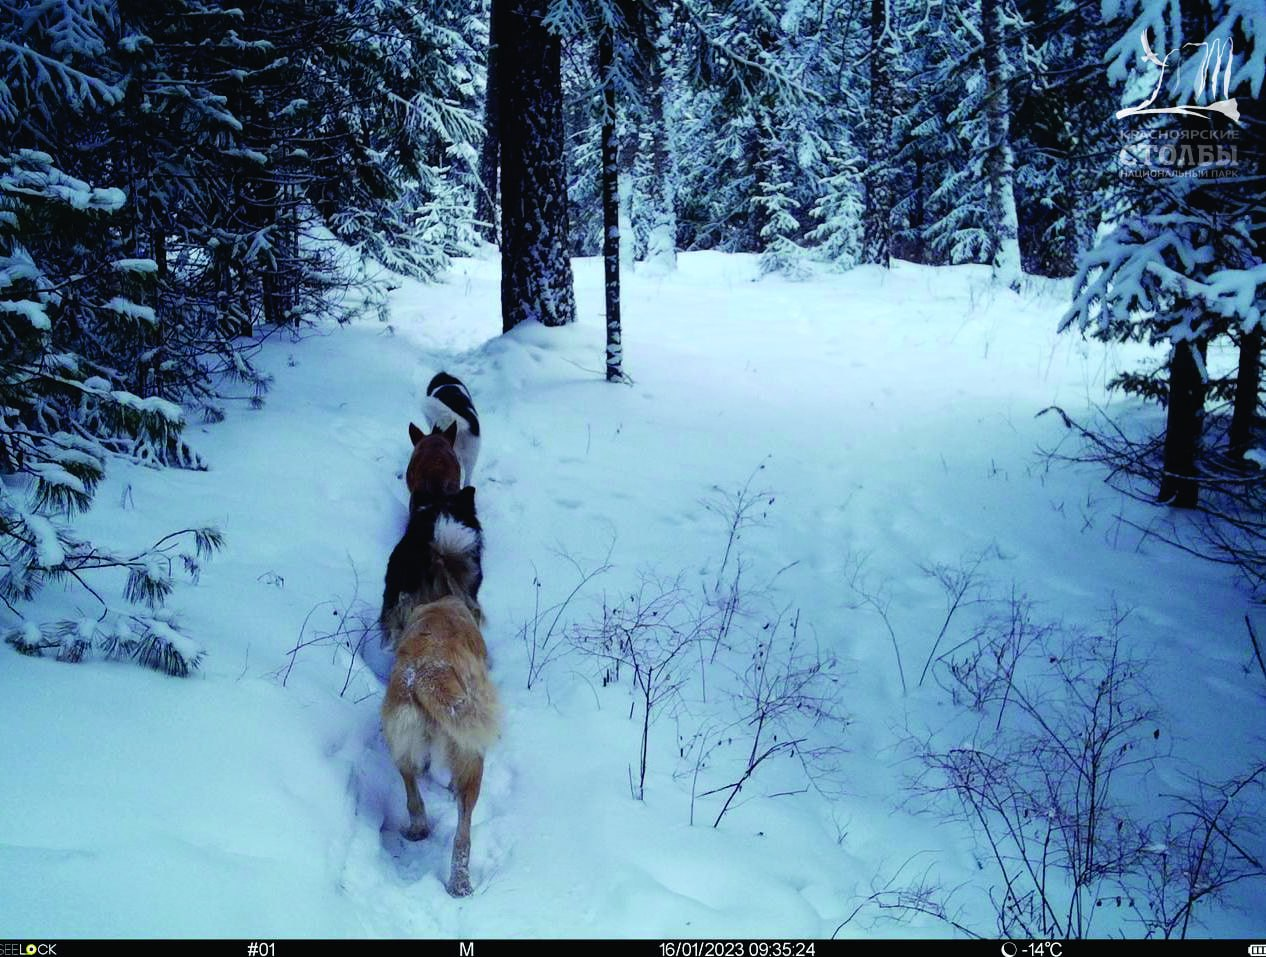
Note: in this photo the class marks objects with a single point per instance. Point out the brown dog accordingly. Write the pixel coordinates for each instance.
(433, 466)
(441, 703)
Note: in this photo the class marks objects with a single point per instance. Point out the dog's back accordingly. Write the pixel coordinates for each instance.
(449, 402)
(440, 687)
(453, 393)
(440, 555)
(441, 702)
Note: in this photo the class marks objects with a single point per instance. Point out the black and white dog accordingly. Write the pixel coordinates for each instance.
(448, 401)
(440, 555)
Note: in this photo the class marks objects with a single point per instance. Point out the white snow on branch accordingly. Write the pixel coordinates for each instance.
(151, 406)
(48, 547)
(32, 311)
(54, 474)
(125, 307)
(136, 265)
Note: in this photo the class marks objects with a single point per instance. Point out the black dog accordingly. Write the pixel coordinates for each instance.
(440, 554)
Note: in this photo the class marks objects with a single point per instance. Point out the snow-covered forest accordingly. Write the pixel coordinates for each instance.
(872, 482)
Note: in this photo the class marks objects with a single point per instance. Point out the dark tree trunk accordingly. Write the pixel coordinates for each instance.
(268, 207)
(610, 207)
(536, 278)
(918, 214)
(159, 242)
(1084, 162)
(877, 221)
(1248, 382)
(758, 158)
(489, 154)
(1184, 424)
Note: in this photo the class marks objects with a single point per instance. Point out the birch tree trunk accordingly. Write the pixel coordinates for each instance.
(661, 236)
(999, 159)
(489, 153)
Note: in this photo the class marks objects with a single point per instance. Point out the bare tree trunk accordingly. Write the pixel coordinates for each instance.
(1184, 424)
(1085, 165)
(999, 160)
(661, 236)
(877, 220)
(758, 162)
(627, 157)
(610, 207)
(1184, 421)
(918, 215)
(489, 153)
(1248, 383)
(536, 277)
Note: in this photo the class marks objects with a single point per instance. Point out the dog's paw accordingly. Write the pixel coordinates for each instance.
(416, 833)
(459, 885)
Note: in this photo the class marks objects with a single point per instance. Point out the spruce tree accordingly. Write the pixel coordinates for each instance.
(1182, 265)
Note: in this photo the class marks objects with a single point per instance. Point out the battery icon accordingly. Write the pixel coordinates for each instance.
(1257, 950)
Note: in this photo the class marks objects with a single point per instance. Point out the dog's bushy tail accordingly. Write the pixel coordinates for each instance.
(440, 415)
(455, 561)
(459, 696)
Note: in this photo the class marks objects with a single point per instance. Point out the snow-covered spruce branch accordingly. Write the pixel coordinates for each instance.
(152, 640)
(748, 65)
(31, 68)
(34, 552)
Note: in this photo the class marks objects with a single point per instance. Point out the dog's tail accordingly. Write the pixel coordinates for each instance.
(455, 561)
(461, 698)
(453, 687)
(441, 415)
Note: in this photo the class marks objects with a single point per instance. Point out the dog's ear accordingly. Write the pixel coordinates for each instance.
(415, 434)
(451, 434)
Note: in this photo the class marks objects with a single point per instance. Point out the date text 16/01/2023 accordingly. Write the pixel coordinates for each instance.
(737, 948)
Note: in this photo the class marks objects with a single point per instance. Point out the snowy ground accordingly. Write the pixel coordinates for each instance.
(894, 414)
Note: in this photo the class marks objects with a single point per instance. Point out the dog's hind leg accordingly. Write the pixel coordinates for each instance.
(468, 776)
(418, 827)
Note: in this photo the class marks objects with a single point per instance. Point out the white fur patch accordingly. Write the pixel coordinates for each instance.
(441, 415)
(453, 538)
(408, 737)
